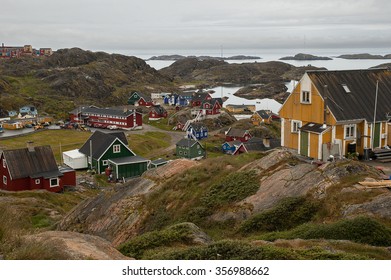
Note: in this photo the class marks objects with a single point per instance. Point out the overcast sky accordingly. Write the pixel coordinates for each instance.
(199, 24)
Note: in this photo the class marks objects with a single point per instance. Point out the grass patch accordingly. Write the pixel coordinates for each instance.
(148, 143)
(288, 213)
(161, 124)
(41, 221)
(361, 230)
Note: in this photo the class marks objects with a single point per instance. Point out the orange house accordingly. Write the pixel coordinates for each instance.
(261, 116)
(337, 113)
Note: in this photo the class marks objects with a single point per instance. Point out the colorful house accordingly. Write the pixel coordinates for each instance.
(240, 109)
(28, 110)
(33, 168)
(199, 97)
(110, 150)
(337, 113)
(157, 112)
(261, 116)
(140, 99)
(197, 131)
(189, 148)
(209, 107)
(104, 117)
(234, 134)
(233, 148)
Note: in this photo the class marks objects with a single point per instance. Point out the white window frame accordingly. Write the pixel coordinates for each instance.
(116, 148)
(54, 185)
(105, 162)
(350, 131)
(4, 163)
(305, 97)
(295, 125)
(5, 180)
(37, 181)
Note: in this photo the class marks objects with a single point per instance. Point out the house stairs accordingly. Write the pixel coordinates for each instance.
(382, 155)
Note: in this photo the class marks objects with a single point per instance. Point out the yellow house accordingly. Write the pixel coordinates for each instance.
(337, 113)
(261, 116)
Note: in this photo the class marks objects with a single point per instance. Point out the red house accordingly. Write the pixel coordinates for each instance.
(209, 107)
(237, 134)
(103, 117)
(157, 113)
(198, 98)
(140, 99)
(33, 168)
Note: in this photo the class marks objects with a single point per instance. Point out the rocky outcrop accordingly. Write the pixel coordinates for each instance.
(78, 246)
(379, 206)
(115, 214)
(304, 56)
(170, 169)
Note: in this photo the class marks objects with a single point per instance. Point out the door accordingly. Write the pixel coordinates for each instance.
(304, 143)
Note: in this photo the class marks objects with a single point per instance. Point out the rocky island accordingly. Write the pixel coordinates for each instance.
(364, 56)
(303, 56)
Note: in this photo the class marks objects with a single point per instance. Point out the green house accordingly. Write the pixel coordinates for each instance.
(111, 150)
(189, 148)
(134, 98)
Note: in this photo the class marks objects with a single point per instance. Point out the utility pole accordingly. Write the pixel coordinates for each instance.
(374, 116)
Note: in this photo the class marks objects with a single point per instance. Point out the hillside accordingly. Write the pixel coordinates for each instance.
(254, 206)
(74, 76)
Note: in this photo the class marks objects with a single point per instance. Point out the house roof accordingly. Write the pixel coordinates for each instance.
(128, 160)
(197, 126)
(233, 143)
(105, 111)
(199, 96)
(159, 161)
(159, 110)
(39, 163)
(255, 144)
(146, 97)
(263, 114)
(187, 143)
(236, 132)
(351, 93)
(101, 142)
(314, 127)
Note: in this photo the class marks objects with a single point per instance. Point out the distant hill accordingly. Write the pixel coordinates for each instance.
(364, 56)
(303, 56)
(74, 76)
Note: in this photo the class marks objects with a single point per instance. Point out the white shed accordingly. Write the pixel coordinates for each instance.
(75, 159)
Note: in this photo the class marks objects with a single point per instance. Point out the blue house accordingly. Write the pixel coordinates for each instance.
(12, 113)
(28, 110)
(197, 131)
(230, 147)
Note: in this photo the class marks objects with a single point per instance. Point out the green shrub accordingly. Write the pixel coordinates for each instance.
(41, 221)
(288, 213)
(172, 235)
(233, 188)
(361, 229)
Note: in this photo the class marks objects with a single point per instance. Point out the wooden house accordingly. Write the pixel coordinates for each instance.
(33, 168)
(110, 150)
(157, 112)
(209, 107)
(199, 97)
(197, 131)
(240, 109)
(337, 112)
(140, 99)
(233, 148)
(261, 116)
(189, 148)
(233, 134)
(13, 125)
(104, 117)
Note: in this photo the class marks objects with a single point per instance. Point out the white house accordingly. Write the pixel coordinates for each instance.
(75, 159)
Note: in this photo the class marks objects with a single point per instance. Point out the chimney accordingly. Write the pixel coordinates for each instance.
(30, 146)
(266, 142)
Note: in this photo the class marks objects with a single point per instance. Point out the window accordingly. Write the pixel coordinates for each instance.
(117, 149)
(54, 182)
(295, 125)
(4, 165)
(305, 96)
(346, 88)
(105, 162)
(199, 152)
(37, 181)
(4, 180)
(350, 131)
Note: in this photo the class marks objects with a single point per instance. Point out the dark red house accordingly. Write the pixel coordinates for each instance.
(157, 113)
(140, 99)
(33, 168)
(199, 97)
(237, 134)
(104, 117)
(209, 107)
